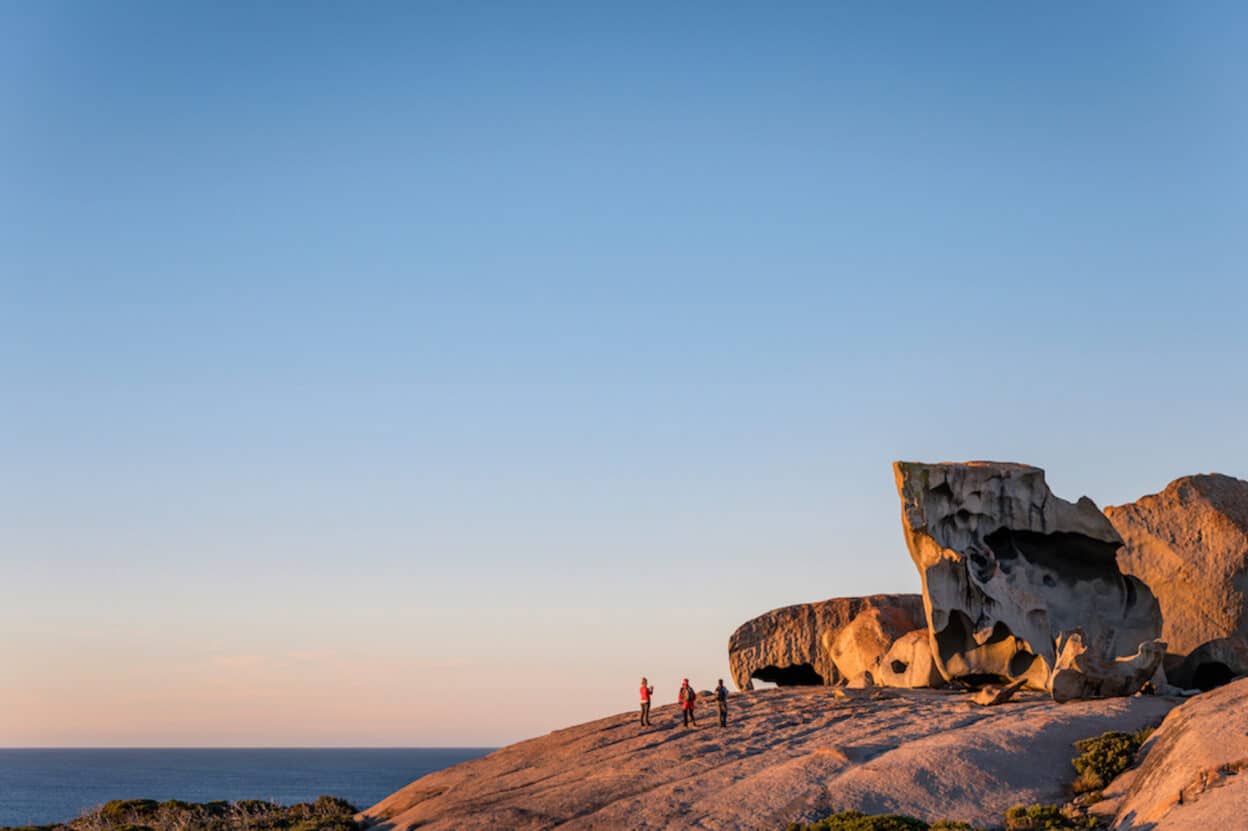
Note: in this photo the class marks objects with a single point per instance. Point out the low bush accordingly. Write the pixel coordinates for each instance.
(1044, 818)
(327, 813)
(858, 821)
(1104, 757)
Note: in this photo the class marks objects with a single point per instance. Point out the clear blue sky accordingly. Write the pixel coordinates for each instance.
(423, 373)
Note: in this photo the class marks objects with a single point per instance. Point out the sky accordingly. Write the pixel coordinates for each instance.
(413, 374)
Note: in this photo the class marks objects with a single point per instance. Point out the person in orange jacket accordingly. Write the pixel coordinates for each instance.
(687, 697)
(646, 692)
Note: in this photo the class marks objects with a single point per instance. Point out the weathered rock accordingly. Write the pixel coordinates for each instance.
(1082, 673)
(1194, 769)
(1189, 543)
(991, 694)
(1009, 569)
(1211, 664)
(858, 648)
(909, 663)
(829, 642)
(787, 755)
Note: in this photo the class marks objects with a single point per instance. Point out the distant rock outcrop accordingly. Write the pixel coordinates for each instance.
(1011, 574)
(1189, 543)
(829, 642)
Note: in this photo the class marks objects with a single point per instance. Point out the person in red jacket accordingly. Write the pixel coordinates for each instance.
(687, 697)
(646, 692)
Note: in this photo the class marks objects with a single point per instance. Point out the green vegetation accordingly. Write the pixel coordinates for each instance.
(1103, 758)
(1044, 818)
(327, 813)
(858, 821)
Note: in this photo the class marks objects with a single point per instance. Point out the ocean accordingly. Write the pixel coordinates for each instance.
(45, 786)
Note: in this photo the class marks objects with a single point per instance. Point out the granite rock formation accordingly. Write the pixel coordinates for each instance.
(1011, 573)
(830, 642)
(1189, 543)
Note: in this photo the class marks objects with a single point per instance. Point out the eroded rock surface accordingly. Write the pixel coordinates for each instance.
(1189, 543)
(788, 754)
(1010, 570)
(824, 643)
(909, 663)
(1194, 769)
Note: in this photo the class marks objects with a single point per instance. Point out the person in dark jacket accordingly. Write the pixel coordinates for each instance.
(721, 699)
(687, 697)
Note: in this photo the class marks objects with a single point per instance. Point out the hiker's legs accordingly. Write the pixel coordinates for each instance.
(686, 714)
(645, 712)
(723, 714)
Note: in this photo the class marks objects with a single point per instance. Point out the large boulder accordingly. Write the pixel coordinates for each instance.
(1189, 543)
(1011, 571)
(1194, 769)
(829, 642)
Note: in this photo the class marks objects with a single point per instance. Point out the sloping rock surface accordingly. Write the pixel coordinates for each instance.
(821, 643)
(1189, 543)
(788, 754)
(1012, 574)
(1194, 773)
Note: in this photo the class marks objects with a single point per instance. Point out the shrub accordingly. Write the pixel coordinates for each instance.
(326, 813)
(1104, 757)
(123, 810)
(858, 821)
(1043, 818)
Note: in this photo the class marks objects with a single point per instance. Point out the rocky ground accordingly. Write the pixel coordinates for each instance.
(789, 754)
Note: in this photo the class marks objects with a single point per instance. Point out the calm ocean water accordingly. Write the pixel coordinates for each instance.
(42, 786)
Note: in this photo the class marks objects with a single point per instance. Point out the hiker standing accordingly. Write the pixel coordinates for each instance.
(646, 692)
(687, 697)
(721, 698)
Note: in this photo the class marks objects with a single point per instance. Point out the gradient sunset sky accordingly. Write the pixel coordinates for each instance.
(424, 373)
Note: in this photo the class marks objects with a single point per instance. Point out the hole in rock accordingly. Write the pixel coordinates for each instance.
(795, 675)
(1071, 557)
(983, 680)
(898, 667)
(1211, 674)
(1021, 663)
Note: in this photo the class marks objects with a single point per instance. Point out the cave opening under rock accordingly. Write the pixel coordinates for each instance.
(1211, 674)
(794, 675)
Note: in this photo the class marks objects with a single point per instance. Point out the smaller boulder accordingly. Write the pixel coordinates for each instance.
(858, 649)
(908, 663)
(994, 694)
(1082, 673)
